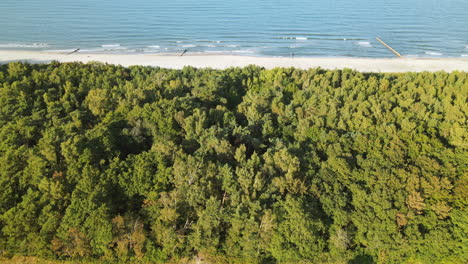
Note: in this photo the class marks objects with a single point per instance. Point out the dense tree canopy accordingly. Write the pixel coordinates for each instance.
(241, 165)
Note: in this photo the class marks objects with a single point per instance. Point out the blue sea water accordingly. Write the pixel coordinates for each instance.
(419, 28)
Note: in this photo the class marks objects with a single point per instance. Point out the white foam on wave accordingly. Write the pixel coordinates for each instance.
(92, 50)
(189, 46)
(15, 45)
(210, 46)
(466, 47)
(232, 46)
(113, 47)
(464, 55)
(433, 53)
(365, 44)
(107, 48)
(224, 52)
(151, 50)
(211, 52)
(247, 51)
(301, 38)
(110, 45)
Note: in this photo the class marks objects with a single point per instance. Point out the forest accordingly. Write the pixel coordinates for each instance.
(108, 164)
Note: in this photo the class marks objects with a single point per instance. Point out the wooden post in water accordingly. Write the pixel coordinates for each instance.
(72, 52)
(390, 48)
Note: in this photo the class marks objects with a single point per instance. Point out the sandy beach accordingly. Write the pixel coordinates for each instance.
(175, 61)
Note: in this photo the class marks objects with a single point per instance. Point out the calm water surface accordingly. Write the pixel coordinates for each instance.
(424, 28)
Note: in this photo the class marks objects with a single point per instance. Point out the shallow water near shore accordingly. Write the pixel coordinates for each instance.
(415, 28)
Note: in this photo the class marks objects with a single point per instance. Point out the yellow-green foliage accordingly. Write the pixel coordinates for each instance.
(244, 165)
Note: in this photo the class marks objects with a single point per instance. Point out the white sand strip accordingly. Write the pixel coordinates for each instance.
(224, 61)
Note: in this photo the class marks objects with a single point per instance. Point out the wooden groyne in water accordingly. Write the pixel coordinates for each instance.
(388, 47)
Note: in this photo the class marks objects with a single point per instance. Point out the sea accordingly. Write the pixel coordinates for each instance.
(279, 28)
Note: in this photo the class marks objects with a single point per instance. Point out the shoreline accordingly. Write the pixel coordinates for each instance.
(222, 61)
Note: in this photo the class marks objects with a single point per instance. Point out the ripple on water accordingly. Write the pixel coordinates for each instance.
(307, 27)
